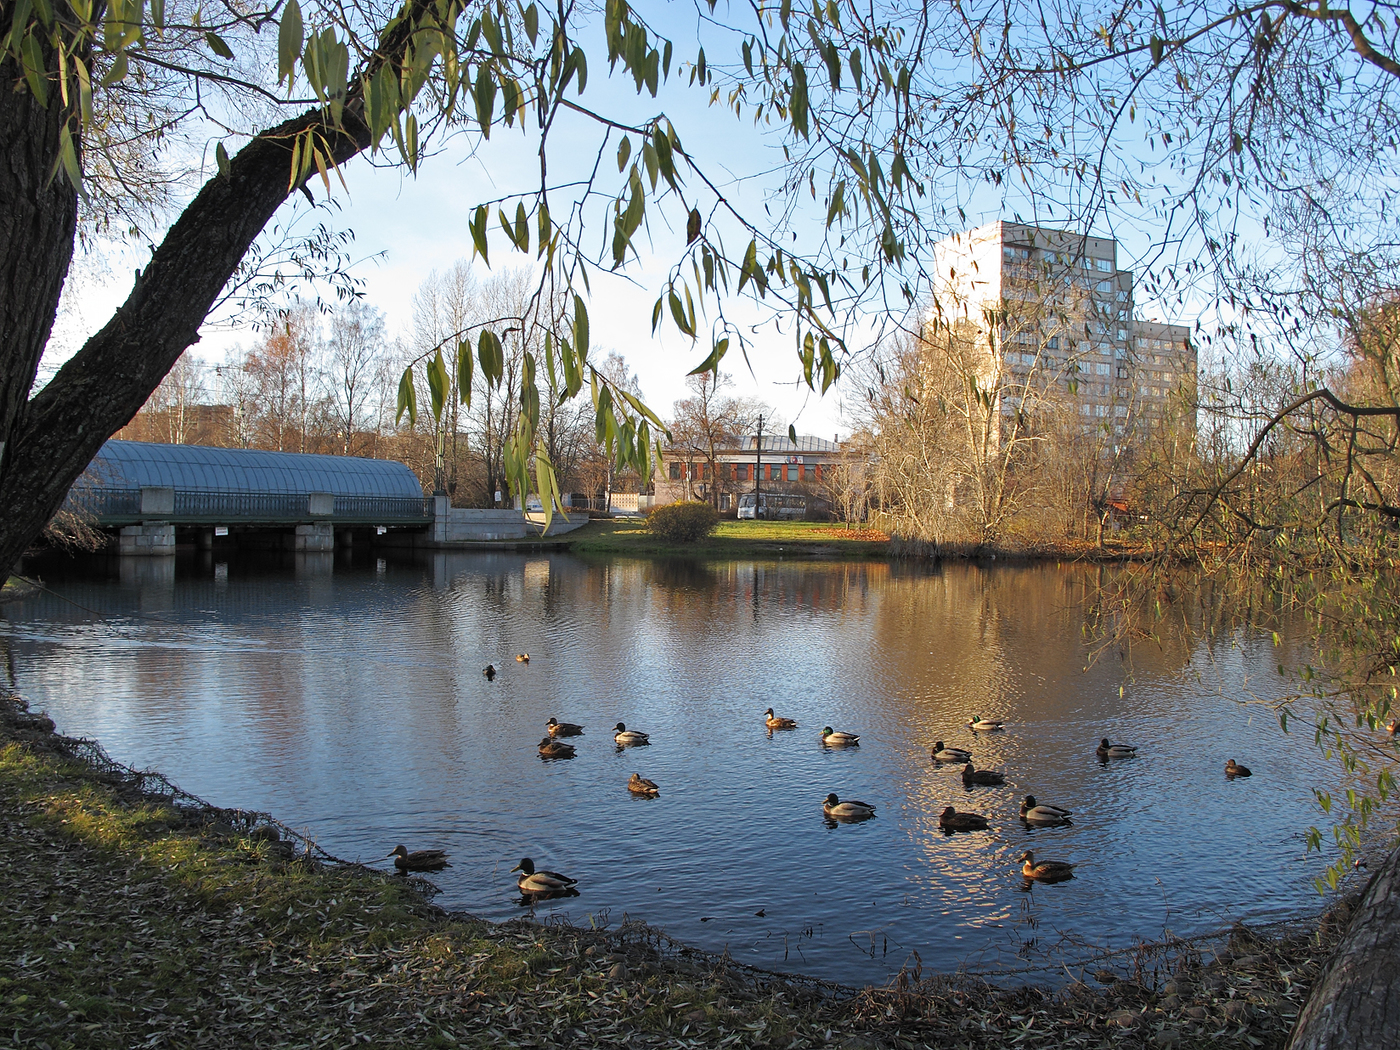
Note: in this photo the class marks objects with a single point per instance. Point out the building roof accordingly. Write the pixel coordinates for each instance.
(781, 443)
(199, 468)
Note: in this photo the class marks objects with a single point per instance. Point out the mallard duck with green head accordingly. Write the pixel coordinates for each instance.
(832, 738)
(532, 881)
(1033, 812)
(1107, 750)
(629, 737)
(850, 809)
(978, 724)
(943, 753)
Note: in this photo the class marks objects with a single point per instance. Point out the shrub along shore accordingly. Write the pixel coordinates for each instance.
(134, 915)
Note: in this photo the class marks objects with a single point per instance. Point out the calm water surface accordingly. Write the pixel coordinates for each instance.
(346, 697)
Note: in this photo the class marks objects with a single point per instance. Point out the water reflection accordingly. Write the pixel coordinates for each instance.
(347, 696)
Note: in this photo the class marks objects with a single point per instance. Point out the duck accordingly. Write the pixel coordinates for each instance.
(523, 658)
(772, 721)
(419, 860)
(489, 671)
(831, 738)
(951, 820)
(551, 748)
(640, 785)
(558, 728)
(532, 881)
(1032, 812)
(1107, 750)
(626, 737)
(943, 753)
(986, 725)
(1233, 769)
(985, 777)
(1045, 870)
(847, 810)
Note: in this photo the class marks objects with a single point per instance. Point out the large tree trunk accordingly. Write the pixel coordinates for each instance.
(1356, 1004)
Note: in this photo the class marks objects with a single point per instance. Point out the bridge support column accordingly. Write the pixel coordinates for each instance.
(205, 539)
(147, 540)
(317, 537)
(345, 538)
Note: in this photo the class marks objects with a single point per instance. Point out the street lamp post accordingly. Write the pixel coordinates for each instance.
(758, 456)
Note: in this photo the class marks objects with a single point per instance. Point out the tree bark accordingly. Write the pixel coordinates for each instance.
(1356, 1004)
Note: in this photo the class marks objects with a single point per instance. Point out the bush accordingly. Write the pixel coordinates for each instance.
(683, 522)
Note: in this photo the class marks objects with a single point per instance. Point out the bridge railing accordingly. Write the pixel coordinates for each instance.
(233, 507)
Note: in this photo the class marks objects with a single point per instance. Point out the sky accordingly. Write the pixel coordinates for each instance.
(407, 226)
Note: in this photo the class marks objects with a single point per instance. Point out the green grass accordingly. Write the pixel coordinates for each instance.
(733, 539)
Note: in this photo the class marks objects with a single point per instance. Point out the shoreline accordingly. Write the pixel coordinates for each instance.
(123, 892)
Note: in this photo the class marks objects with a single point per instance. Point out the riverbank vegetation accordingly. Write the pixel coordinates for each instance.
(133, 914)
(735, 539)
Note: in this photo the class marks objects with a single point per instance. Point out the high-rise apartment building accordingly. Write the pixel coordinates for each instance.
(1055, 315)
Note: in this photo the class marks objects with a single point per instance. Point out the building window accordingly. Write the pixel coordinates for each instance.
(1103, 265)
(775, 472)
(675, 471)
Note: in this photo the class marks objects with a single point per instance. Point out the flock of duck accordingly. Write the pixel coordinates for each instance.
(535, 884)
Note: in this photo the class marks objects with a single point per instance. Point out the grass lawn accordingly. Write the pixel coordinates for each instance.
(732, 539)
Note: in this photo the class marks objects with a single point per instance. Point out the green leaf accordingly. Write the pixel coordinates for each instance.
(711, 363)
(438, 384)
(532, 22)
(408, 397)
(217, 45)
(792, 433)
(465, 369)
(290, 35)
(491, 356)
(624, 151)
(580, 329)
(221, 158)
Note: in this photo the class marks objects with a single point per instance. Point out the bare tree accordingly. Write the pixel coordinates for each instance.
(356, 370)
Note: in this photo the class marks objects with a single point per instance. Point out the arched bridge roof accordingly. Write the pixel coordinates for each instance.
(197, 468)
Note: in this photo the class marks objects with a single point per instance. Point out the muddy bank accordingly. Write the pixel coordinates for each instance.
(134, 914)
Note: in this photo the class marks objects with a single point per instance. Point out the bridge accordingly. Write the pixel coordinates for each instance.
(155, 496)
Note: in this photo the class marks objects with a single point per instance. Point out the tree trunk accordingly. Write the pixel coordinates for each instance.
(1356, 1004)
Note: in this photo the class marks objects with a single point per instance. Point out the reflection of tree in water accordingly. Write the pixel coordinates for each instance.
(689, 574)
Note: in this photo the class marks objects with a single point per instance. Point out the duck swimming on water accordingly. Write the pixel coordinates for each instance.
(1033, 812)
(943, 753)
(640, 785)
(629, 737)
(1045, 870)
(951, 820)
(558, 728)
(551, 748)
(489, 671)
(1233, 769)
(831, 738)
(773, 721)
(532, 881)
(986, 725)
(983, 777)
(419, 860)
(850, 809)
(1107, 750)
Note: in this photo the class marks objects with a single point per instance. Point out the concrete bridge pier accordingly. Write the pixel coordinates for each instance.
(318, 537)
(150, 539)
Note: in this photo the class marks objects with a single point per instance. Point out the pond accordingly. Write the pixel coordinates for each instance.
(344, 694)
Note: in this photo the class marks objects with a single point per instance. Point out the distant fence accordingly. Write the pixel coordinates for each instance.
(269, 507)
